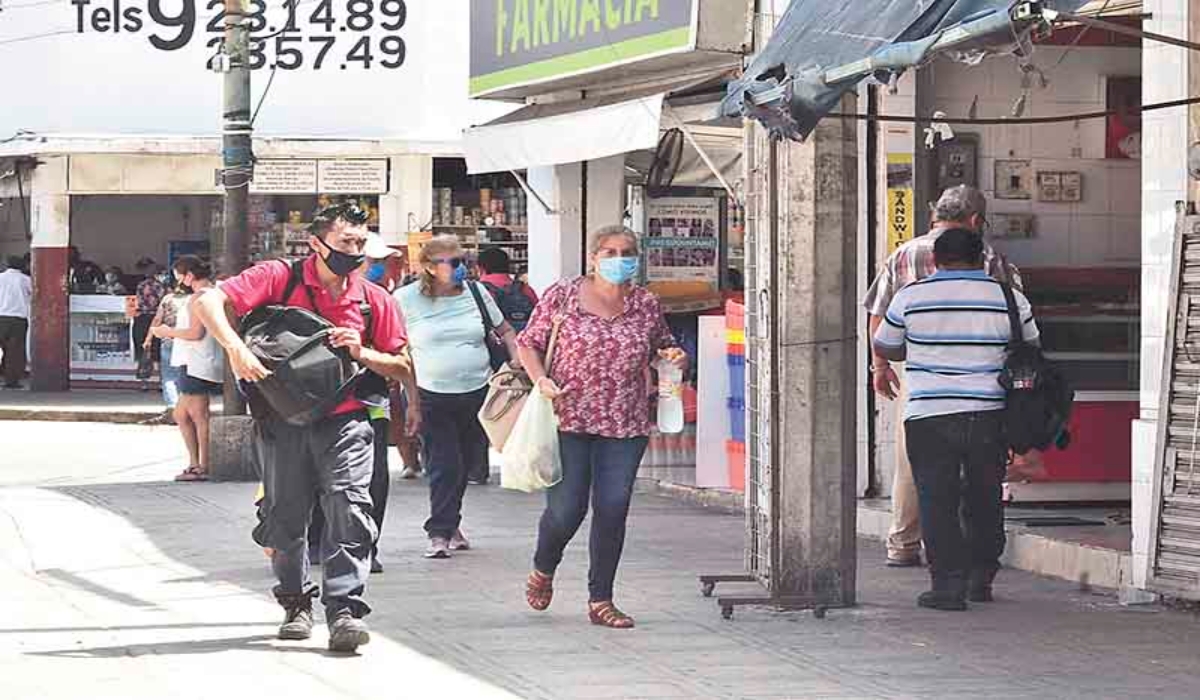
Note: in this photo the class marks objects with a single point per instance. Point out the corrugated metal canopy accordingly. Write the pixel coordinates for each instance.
(820, 50)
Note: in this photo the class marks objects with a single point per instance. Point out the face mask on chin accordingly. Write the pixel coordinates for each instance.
(342, 264)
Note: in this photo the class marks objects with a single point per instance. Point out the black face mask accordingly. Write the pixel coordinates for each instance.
(342, 264)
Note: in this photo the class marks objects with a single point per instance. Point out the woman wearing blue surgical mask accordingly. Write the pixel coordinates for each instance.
(452, 364)
(610, 331)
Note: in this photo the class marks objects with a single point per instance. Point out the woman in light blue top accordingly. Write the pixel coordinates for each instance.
(446, 332)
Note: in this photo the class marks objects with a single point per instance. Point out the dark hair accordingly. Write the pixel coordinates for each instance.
(495, 261)
(194, 264)
(958, 246)
(325, 218)
(16, 263)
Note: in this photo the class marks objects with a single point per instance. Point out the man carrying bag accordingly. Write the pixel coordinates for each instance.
(332, 455)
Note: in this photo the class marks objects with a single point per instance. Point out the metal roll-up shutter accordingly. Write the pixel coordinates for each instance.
(1175, 544)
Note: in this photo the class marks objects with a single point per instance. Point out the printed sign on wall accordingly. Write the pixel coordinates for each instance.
(682, 242)
(900, 214)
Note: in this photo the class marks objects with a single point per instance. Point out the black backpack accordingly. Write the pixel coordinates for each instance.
(1038, 395)
(309, 378)
(514, 303)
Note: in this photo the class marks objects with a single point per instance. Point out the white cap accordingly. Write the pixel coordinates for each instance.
(376, 249)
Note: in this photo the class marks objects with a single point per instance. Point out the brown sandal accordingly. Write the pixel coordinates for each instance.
(606, 614)
(193, 473)
(539, 590)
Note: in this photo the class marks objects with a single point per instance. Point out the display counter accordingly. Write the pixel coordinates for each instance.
(101, 345)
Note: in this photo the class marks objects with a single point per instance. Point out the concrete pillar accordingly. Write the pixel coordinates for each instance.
(1165, 137)
(555, 238)
(817, 362)
(605, 192)
(50, 329)
(898, 141)
(408, 205)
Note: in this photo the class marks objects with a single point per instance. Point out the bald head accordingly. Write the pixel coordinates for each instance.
(961, 206)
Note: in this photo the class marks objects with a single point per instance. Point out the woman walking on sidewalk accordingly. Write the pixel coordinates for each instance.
(201, 365)
(450, 357)
(609, 333)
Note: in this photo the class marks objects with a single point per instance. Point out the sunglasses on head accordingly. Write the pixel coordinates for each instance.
(452, 262)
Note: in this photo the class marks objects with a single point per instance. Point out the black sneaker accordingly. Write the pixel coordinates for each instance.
(376, 567)
(298, 624)
(979, 586)
(347, 633)
(942, 600)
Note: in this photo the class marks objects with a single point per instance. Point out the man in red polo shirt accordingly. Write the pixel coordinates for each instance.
(334, 456)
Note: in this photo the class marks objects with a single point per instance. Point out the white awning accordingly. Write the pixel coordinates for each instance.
(553, 134)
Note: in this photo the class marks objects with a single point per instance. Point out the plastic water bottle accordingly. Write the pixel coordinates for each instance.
(670, 398)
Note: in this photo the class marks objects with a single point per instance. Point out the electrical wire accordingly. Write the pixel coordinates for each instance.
(263, 97)
(1083, 116)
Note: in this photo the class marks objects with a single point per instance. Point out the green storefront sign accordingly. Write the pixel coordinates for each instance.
(521, 42)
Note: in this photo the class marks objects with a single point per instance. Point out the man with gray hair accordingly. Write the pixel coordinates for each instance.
(961, 207)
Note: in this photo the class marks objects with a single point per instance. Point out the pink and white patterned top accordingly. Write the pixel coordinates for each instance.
(600, 363)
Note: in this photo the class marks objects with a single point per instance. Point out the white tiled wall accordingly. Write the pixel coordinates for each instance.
(1101, 231)
(1164, 182)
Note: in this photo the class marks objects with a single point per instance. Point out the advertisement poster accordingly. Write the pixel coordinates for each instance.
(899, 199)
(683, 240)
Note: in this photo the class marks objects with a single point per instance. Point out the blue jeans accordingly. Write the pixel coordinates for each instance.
(170, 375)
(603, 469)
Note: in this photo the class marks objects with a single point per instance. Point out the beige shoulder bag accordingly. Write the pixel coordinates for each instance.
(507, 391)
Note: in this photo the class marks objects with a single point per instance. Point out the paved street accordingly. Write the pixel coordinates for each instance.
(122, 584)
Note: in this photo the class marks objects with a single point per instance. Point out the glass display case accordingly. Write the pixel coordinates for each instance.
(101, 345)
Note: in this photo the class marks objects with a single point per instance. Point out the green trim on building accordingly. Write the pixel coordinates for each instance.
(592, 58)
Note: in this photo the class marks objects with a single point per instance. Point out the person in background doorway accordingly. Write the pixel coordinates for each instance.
(16, 293)
(610, 332)
(516, 301)
(450, 356)
(167, 315)
(85, 275)
(952, 330)
(960, 207)
(112, 284)
(201, 366)
(148, 295)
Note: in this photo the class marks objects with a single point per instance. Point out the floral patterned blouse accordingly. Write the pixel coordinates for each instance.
(600, 363)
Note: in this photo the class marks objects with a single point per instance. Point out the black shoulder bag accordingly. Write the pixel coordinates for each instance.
(1038, 396)
(497, 350)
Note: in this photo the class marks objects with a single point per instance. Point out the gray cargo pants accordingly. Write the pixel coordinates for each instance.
(334, 458)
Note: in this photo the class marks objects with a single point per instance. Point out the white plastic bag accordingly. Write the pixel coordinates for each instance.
(531, 458)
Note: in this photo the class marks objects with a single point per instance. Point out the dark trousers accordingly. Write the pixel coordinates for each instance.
(454, 444)
(381, 483)
(604, 470)
(958, 462)
(12, 344)
(138, 331)
(332, 459)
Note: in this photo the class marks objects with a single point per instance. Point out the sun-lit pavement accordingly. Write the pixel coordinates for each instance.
(122, 584)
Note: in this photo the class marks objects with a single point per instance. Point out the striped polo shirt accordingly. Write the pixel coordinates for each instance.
(954, 327)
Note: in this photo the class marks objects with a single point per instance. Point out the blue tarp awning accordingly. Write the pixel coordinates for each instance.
(822, 49)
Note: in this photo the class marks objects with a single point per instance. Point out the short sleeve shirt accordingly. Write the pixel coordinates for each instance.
(914, 261)
(447, 339)
(600, 363)
(266, 283)
(955, 329)
(149, 296)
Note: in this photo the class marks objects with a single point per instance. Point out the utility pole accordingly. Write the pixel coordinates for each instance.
(237, 151)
